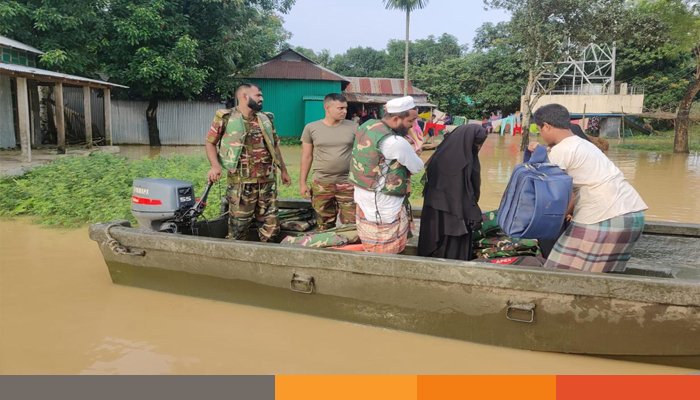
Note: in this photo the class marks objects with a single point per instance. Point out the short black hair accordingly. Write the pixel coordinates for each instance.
(245, 85)
(334, 97)
(553, 114)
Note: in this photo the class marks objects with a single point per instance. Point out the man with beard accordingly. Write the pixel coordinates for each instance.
(243, 141)
(381, 168)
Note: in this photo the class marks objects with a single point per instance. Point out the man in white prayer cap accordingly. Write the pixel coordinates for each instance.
(381, 168)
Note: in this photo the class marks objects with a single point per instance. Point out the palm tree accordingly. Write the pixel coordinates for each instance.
(407, 6)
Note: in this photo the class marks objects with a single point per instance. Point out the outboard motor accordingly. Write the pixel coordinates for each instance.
(165, 205)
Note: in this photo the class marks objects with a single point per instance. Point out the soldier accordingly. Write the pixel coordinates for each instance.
(244, 142)
(382, 164)
(327, 143)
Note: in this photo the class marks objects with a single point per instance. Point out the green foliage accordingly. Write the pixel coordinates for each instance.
(421, 53)
(360, 61)
(162, 49)
(405, 5)
(69, 32)
(74, 191)
(661, 142)
(491, 77)
(650, 54)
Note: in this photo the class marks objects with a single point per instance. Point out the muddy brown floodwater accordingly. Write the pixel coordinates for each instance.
(61, 314)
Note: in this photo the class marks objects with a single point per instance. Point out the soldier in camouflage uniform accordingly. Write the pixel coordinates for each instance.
(243, 141)
(327, 143)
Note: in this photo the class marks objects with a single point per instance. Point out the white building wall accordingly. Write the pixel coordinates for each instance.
(595, 104)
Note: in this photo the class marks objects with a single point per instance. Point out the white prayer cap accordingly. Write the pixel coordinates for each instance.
(395, 106)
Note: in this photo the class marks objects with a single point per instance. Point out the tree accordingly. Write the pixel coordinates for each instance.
(407, 6)
(682, 18)
(360, 61)
(170, 49)
(645, 60)
(421, 52)
(67, 31)
(544, 31)
(162, 49)
(322, 58)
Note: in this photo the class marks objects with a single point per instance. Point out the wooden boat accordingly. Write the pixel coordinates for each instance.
(649, 314)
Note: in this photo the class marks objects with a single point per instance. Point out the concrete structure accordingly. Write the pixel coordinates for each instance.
(595, 103)
(585, 84)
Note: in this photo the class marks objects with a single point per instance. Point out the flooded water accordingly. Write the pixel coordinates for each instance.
(61, 314)
(668, 183)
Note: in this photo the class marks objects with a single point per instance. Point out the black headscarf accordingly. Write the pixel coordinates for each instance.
(452, 192)
(576, 130)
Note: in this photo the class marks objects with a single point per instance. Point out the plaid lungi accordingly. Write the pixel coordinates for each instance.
(602, 247)
(383, 238)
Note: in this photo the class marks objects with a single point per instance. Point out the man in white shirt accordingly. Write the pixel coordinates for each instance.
(607, 213)
(381, 168)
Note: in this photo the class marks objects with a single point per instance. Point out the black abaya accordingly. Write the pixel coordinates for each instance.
(450, 208)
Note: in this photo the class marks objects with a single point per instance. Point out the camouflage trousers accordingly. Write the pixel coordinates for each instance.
(248, 200)
(328, 199)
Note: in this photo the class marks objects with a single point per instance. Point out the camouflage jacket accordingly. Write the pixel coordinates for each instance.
(367, 161)
(233, 138)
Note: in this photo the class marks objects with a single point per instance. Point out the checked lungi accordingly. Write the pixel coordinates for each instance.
(602, 247)
(383, 238)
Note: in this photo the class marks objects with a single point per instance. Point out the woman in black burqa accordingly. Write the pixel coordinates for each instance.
(450, 208)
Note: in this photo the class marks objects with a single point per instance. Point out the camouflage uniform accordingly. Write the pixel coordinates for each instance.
(329, 198)
(491, 243)
(367, 161)
(247, 152)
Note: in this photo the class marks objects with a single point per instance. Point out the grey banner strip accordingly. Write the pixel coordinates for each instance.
(137, 387)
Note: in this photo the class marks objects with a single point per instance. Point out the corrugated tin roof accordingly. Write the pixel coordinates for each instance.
(421, 100)
(6, 41)
(380, 86)
(290, 64)
(51, 76)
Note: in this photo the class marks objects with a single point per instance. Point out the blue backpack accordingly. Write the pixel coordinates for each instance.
(536, 199)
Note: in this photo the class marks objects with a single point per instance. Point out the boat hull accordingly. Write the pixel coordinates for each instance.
(641, 318)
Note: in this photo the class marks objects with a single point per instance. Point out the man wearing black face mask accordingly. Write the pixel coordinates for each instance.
(243, 141)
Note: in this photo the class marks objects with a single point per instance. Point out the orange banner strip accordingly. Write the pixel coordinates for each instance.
(478, 387)
(652, 387)
(345, 387)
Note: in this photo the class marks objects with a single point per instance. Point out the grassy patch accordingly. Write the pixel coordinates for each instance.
(74, 191)
(661, 141)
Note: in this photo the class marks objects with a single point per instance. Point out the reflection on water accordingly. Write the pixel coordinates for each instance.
(61, 314)
(120, 357)
(669, 183)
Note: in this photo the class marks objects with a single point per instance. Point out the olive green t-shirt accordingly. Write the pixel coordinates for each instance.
(332, 149)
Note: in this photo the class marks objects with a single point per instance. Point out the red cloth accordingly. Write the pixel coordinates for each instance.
(436, 130)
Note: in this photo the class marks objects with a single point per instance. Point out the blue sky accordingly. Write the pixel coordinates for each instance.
(338, 25)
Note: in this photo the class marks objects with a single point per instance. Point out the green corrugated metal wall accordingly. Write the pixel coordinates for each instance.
(313, 109)
(285, 99)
